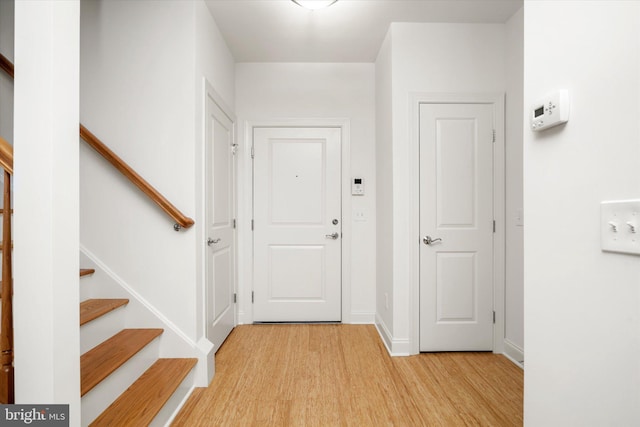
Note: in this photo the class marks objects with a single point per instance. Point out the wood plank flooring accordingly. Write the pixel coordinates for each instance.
(341, 375)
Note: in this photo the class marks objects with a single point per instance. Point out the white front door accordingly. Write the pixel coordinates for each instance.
(298, 224)
(456, 227)
(220, 232)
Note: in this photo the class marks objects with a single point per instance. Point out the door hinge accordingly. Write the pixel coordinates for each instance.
(251, 225)
(252, 152)
(235, 298)
(494, 135)
(234, 223)
(251, 297)
(494, 225)
(494, 317)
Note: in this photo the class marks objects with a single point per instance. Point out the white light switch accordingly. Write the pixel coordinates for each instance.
(620, 226)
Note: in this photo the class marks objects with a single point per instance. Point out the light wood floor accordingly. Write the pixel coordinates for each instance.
(330, 375)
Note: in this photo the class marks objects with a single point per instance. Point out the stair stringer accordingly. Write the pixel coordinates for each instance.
(174, 343)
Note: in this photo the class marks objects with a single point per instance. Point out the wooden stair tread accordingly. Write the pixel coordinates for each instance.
(86, 271)
(142, 401)
(93, 308)
(97, 363)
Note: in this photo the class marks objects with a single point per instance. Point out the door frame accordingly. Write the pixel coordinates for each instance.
(497, 100)
(245, 314)
(210, 92)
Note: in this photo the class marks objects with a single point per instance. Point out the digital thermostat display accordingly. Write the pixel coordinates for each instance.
(550, 111)
(538, 112)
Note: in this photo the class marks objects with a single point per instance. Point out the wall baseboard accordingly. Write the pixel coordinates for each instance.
(362, 318)
(395, 346)
(385, 335)
(514, 353)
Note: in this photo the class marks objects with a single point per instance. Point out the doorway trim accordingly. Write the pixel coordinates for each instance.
(246, 315)
(497, 100)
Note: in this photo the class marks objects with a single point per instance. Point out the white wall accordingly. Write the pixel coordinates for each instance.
(428, 58)
(384, 195)
(582, 310)
(266, 91)
(46, 292)
(142, 70)
(514, 274)
(137, 96)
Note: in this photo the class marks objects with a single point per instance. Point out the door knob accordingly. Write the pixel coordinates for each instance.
(333, 236)
(211, 241)
(428, 240)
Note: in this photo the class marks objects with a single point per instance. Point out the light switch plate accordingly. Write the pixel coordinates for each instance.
(620, 226)
(519, 218)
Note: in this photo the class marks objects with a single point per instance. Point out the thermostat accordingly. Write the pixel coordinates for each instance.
(357, 187)
(550, 111)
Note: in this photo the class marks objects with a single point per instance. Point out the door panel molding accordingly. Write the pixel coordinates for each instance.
(497, 100)
(246, 279)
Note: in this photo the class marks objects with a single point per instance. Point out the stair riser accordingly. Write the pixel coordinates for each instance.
(102, 395)
(98, 286)
(173, 405)
(101, 329)
(86, 288)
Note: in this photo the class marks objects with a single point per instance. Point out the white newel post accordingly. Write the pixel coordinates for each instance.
(46, 227)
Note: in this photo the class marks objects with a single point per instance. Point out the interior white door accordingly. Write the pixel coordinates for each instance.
(220, 230)
(456, 227)
(297, 233)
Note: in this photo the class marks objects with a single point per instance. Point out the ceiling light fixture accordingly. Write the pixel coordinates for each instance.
(314, 4)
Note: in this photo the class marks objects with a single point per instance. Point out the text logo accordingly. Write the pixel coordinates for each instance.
(34, 415)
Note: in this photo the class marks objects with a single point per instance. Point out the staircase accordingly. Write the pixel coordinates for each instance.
(123, 367)
(123, 379)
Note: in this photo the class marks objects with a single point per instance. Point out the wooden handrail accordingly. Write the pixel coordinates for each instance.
(6, 65)
(6, 155)
(180, 219)
(6, 161)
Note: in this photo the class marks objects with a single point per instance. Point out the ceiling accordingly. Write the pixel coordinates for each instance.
(348, 31)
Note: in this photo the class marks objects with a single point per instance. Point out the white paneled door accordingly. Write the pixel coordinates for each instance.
(456, 227)
(220, 232)
(297, 231)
